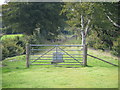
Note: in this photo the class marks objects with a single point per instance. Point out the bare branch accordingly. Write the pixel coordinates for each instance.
(82, 22)
(87, 27)
(115, 24)
(88, 31)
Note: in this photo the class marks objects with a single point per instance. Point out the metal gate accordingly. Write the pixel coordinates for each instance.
(56, 54)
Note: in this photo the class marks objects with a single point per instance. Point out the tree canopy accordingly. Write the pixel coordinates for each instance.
(29, 18)
(100, 17)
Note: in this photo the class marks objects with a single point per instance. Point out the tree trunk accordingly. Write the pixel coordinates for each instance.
(83, 31)
(83, 38)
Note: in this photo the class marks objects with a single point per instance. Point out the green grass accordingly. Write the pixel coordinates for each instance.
(0, 75)
(11, 36)
(97, 75)
(55, 77)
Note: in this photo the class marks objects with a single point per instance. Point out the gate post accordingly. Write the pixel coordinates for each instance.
(27, 55)
(84, 55)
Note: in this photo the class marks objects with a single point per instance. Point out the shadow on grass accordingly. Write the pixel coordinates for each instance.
(79, 67)
(89, 66)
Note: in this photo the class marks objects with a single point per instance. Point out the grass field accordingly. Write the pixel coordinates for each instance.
(97, 75)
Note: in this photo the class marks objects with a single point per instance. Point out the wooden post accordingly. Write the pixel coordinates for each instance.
(85, 55)
(27, 55)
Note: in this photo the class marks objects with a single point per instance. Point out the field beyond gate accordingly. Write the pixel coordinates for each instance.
(45, 54)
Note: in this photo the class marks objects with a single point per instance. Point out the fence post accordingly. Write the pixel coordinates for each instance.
(84, 55)
(27, 55)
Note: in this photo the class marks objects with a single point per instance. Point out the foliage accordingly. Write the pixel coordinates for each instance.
(42, 19)
(79, 17)
(95, 42)
(103, 18)
(10, 48)
(46, 20)
(98, 42)
(116, 47)
(13, 45)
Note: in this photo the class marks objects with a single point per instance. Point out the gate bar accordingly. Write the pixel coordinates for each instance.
(52, 50)
(57, 64)
(43, 54)
(70, 55)
(102, 60)
(51, 57)
(64, 54)
(58, 45)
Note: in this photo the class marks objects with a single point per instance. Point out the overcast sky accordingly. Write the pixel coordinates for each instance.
(2, 1)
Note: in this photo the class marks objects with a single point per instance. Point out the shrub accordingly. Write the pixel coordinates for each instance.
(97, 42)
(13, 45)
(5, 52)
(116, 47)
(10, 48)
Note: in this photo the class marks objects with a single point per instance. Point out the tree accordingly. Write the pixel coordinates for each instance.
(30, 18)
(106, 30)
(79, 17)
(101, 17)
(112, 13)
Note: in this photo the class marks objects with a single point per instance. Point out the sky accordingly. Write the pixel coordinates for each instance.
(2, 2)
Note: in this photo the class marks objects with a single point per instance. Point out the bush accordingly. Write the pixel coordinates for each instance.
(5, 52)
(116, 47)
(10, 48)
(94, 40)
(13, 45)
(101, 43)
